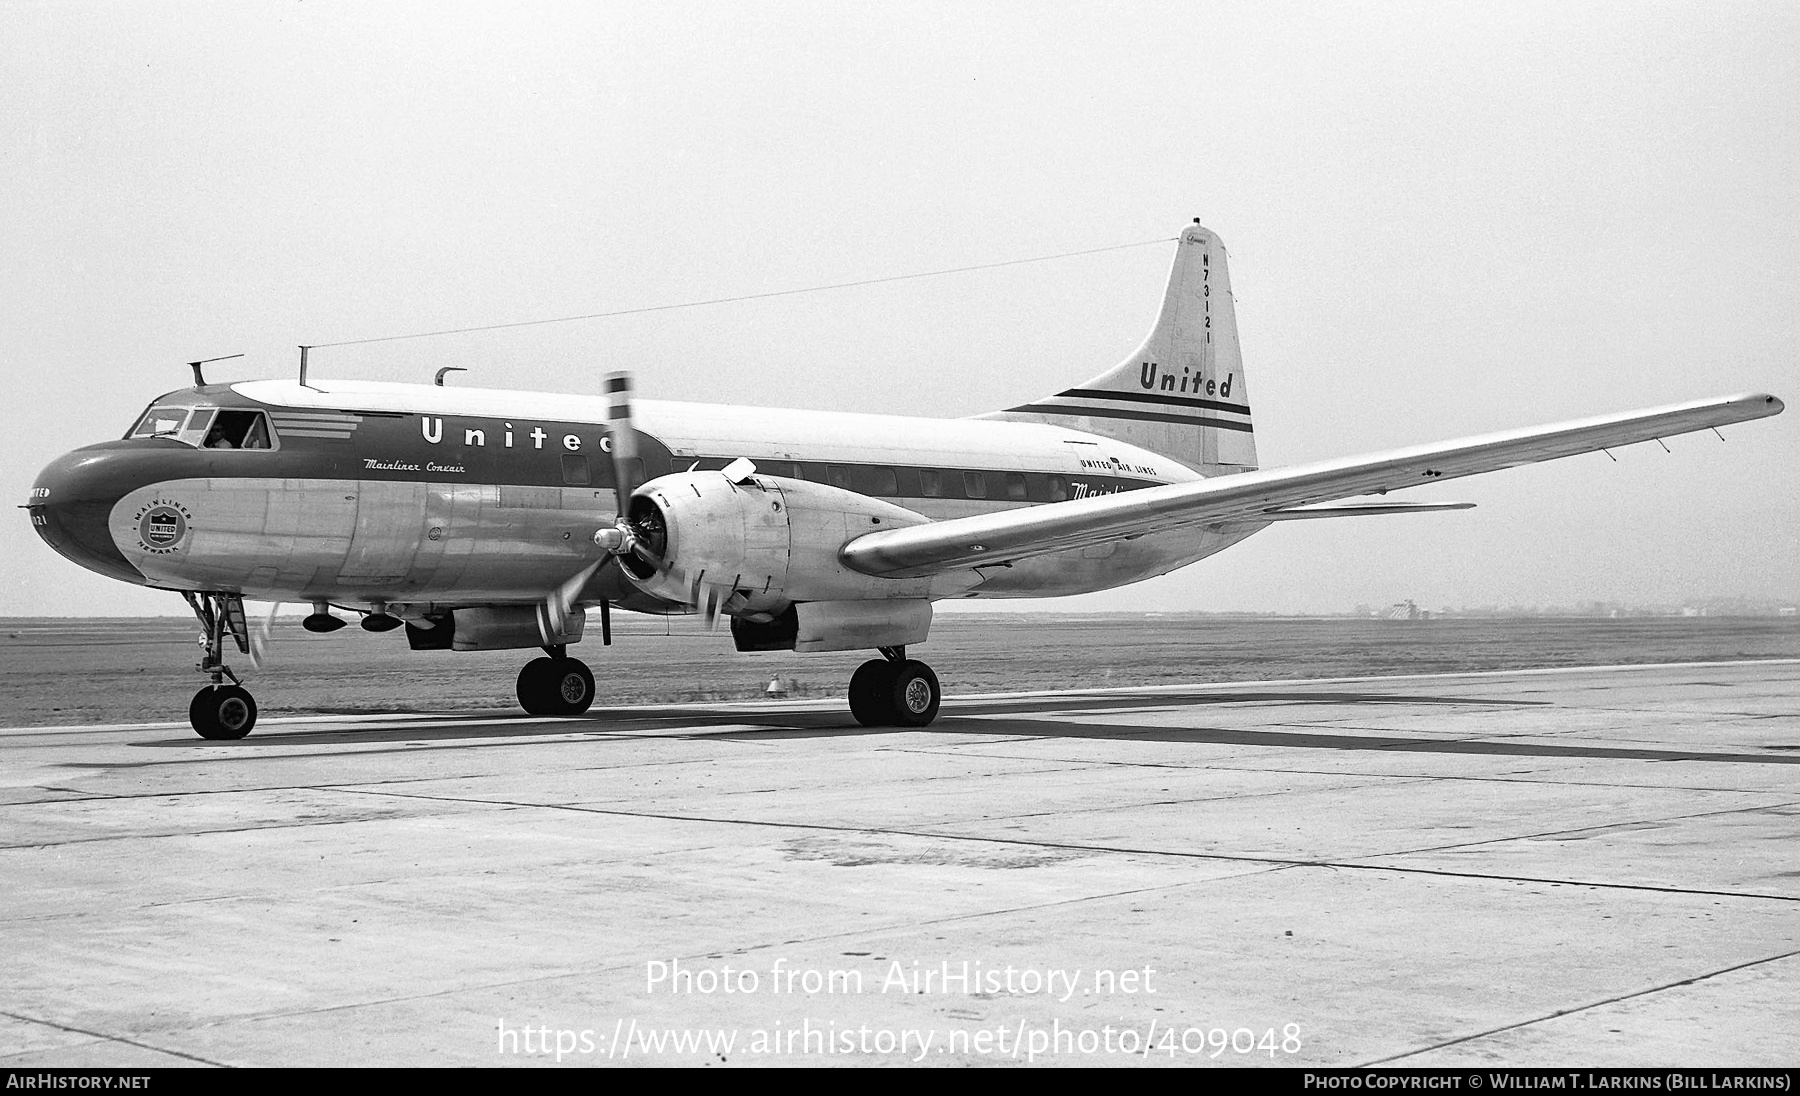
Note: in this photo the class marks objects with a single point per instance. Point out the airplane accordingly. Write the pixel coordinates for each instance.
(491, 520)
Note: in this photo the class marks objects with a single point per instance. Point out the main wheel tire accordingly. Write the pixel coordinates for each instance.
(913, 696)
(571, 686)
(870, 693)
(222, 712)
(535, 686)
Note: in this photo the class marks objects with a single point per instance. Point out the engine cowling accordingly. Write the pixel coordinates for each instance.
(752, 548)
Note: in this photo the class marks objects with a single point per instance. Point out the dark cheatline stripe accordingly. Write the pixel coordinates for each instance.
(1148, 416)
(1158, 397)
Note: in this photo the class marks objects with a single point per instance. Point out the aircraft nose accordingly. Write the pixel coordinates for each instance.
(71, 505)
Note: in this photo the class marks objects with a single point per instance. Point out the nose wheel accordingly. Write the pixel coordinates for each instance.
(894, 692)
(220, 712)
(556, 686)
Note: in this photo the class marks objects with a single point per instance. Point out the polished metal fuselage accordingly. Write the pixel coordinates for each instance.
(439, 497)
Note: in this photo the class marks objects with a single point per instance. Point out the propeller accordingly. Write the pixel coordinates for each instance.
(261, 637)
(561, 601)
(619, 537)
(623, 537)
(637, 535)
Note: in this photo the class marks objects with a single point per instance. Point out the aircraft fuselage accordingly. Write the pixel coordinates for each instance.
(365, 494)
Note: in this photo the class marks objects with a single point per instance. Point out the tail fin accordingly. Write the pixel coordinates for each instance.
(1182, 394)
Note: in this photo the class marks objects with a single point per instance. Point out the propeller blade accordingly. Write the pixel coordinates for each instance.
(260, 637)
(561, 600)
(623, 438)
(709, 599)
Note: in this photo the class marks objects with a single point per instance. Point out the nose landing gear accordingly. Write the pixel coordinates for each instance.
(894, 691)
(220, 711)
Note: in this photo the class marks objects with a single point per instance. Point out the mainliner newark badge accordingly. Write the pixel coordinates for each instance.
(162, 526)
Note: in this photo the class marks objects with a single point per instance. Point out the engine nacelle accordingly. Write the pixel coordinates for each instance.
(502, 628)
(755, 547)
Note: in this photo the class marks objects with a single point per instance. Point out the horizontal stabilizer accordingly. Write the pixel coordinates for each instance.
(1364, 509)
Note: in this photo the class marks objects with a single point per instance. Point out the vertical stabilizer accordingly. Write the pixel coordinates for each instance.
(1183, 393)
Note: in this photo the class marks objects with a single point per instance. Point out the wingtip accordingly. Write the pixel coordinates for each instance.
(1755, 405)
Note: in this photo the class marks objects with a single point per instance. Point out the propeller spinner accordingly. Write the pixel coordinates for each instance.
(619, 538)
(639, 535)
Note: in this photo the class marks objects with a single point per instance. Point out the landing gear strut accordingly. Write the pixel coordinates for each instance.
(557, 685)
(894, 691)
(220, 711)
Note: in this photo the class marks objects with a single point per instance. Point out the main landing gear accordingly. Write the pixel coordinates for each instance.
(558, 685)
(220, 711)
(894, 691)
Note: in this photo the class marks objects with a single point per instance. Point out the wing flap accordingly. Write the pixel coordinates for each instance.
(1363, 509)
(1249, 497)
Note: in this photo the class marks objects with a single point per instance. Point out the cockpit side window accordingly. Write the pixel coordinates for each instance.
(238, 430)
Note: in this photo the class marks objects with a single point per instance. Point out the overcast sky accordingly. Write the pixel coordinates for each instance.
(1443, 220)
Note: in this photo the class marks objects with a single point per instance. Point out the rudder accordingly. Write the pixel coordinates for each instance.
(1182, 393)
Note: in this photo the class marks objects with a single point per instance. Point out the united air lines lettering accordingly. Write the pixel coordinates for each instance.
(431, 428)
(1189, 381)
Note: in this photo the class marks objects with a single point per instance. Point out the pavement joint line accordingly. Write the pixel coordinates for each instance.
(860, 932)
(276, 825)
(1580, 1008)
(1499, 778)
(363, 790)
(72, 795)
(1278, 861)
(958, 749)
(1599, 827)
(1395, 741)
(111, 1039)
(254, 895)
(1189, 801)
(1591, 884)
(833, 703)
(1417, 778)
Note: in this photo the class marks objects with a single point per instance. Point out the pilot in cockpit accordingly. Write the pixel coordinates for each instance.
(238, 430)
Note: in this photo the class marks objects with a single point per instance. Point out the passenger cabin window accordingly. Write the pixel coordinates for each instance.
(875, 480)
(975, 485)
(931, 483)
(840, 476)
(1049, 488)
(575, 470)
(1015, 486)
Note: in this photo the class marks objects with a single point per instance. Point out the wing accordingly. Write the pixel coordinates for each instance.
(1256, 496)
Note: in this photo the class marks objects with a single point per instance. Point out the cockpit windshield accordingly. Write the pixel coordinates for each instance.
(206, 427)
(161, 421)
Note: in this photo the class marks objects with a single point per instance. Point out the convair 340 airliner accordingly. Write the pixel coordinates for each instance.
(483, 520)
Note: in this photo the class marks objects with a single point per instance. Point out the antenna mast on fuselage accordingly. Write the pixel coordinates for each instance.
(200, 381)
